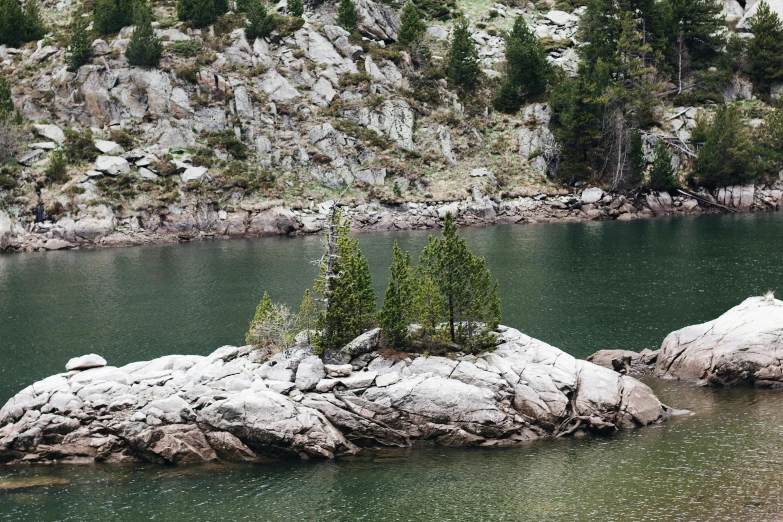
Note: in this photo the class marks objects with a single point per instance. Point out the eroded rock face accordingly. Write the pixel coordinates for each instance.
(232, 405)
(744, 346)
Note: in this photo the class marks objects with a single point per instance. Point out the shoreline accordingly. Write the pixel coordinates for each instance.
(104, 229)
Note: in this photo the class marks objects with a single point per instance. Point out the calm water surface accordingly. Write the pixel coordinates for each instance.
(581, 287)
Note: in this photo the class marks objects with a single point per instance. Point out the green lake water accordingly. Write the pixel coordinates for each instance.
(581, 287)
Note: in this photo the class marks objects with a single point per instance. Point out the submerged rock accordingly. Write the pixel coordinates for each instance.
(232, 405)
(744, 346)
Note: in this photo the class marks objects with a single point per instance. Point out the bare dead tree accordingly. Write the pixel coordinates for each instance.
(683, 62)
(618, 147)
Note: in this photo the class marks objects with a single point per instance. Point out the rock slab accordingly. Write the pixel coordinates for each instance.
(744, 346)
(239, 404)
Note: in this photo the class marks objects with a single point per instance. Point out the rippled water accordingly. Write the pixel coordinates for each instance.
(581, 287)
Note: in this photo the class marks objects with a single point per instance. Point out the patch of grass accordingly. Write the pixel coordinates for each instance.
(364, 134)
(354, 79)
(187, 48)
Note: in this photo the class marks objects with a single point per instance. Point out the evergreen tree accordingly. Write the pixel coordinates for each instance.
(726, 158)
(427, 305)
(395, 314)
(769, 149)
(700, 24)
(56, 170)
(526, 68)
(412, 27)
(109, 16)
(295, 8)
(7, 108)
(12, 23)
(347, 17)
(306, 320)
(662, 176)
(470, 300)
(463, 69)
(259, 23)
(200, 13)
(578, 107)
(34, 27)
(80, 51)
(345, 286)
(765, 49)
(144, 49)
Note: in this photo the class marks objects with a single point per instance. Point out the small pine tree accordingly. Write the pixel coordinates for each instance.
(56, 170)
(34, 27)
(12, 23)
(395, 314)
(662, 176)
(526, 68)
(470, 301)
(295, 8)
(80, 51)
(7, 108)
(765, 49)
(427, 305)
(144, 49)
(463, 69)
(726, 157)
(109, 16)
(347, 17)
(345, 286)
(200, 13)
(259, 23)
(412, 24)
(306, 320)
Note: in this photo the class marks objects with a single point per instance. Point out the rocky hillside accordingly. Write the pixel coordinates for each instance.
(230, 137)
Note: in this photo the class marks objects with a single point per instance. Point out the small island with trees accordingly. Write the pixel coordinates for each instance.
(446, 303)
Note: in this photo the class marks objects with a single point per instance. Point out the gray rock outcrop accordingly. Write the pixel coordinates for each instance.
(233, 405)
(744, 346)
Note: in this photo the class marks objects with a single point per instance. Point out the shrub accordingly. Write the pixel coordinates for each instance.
(295, 8)
(80, 51)
(56, 170)
(79, 146)
(144, 49)
(6, 101)
(109, 16)
(271, 327)
(10, 139)
(185, 48)
(347, 17)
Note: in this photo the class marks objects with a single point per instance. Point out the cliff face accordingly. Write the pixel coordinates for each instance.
(230, 137)
(233, 405)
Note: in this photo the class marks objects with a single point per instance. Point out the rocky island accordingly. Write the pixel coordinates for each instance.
(233, 405)
(740, 348)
